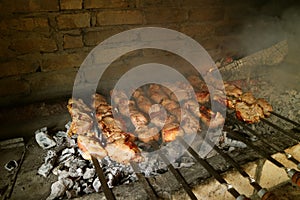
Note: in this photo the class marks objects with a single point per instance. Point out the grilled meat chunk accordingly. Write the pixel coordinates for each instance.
(266, 107)
(248, 98)
(232, 90)
(248, 113)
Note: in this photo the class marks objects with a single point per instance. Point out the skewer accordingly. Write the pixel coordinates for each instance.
(107, 191)
(212, 171)
(290, 135)
(285, 118)
(271, 145)
(293, 174)
(261, 192)
(147, 186)
(175, 172)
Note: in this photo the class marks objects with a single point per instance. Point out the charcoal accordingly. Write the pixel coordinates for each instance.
(11, 165)
(45, 169)
(62, 174)
(68, 182)
(43, 139)
(97, 184)
(89, 173)
(88, 189)
(58, 189)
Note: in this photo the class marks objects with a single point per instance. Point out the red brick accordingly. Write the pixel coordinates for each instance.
(109, 4)
(34, 44)
(25, 24)
(119, 17)
(165, 15)
(13, 86)
(93, 38)
(70, 4)
(71, 42)
(52, 62)
(206, 14)
(28, 5)
(69, 21)
(17, 67)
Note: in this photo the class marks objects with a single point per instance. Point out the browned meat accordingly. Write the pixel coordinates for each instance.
(232, 90)
(248, 113)
(171, 131)
(156, 93)
(211, 119)
(265, 106)
(248, 98)
(223, 100)
(202, 97)
(112, 130)
(189, 124)
(146, 134)
(123, 151)
(197, 83)
(143, 103)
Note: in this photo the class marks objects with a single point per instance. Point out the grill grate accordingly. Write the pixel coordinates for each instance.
(261, 192)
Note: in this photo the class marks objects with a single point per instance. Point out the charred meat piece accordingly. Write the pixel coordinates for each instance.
(138, 118)
(143, 103)
(81, 119)
(156, 93)
(112, 130)
(232, 90)
(90, 145)
(248, 113)
(248, 98)
(211, 119)
(202, 97)
(265, 106)
(171, 131)
(146, 134)
(192, 106)
(189, 123)
(123, 151)
(197, 83)
(223, 100)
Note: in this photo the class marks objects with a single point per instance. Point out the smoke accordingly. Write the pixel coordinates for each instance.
(276, 21)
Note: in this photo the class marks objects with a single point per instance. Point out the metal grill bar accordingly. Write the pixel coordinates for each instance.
(210, 169)
(256, 148)
(107, 192)
(285, 118)
(292, 136)
(175, 172)
(271, 145)
(147, 186)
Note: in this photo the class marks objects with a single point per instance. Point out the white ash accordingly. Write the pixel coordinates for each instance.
(43, 139)
(77, 177)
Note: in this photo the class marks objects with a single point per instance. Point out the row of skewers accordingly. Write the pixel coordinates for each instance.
(156, 113)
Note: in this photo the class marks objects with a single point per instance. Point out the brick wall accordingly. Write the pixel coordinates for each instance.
(43, 42)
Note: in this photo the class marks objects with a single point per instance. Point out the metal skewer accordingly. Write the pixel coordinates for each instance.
(270, 145)
(147, 186)
(292, 173)
(175, 172)
(107, 191)
(261, 192)
(290, 135)
(212, 171)
(285, 118)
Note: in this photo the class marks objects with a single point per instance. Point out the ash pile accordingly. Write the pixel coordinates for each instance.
(75, 175)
